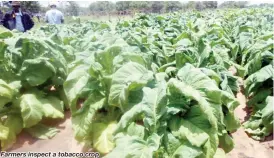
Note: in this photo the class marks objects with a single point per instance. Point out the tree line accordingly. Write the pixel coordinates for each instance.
(131, 7)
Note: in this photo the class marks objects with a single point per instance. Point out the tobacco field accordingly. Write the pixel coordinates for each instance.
(156, 86)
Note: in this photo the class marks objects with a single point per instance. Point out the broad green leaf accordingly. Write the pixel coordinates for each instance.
(105, 58)
(188, 131)
(171, 143)
(260, 76)
(15, 125)
(103, 140)
(219, 153)
(153, 104)
(190, 92)
(53, 107)
(131, 76)
(211, 74)
(186, 150)
(197, 117)
(82, 119)
(254, 64)
(5, 34)
(260, 124)
(74, 85)
(259, 97)
(195, 78)
(232, 123)
(129, 117)
(267, 113)
(226, 142)
(128, 146)
(136, 130)
(37, 71)
(4, 132)
(31, 109)
(6, 93)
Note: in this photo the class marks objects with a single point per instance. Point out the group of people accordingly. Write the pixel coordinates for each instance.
(22, 21)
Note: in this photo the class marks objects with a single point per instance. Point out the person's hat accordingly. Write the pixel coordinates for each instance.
(15, 3)
(52, 4)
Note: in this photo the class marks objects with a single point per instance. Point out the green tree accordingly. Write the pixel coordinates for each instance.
(234, 4)
(73, 8)
(171, 6)
(210, 4)
(30, 6)
(122, 5)
(190, 5)
(157, 6)
(101, 6)
(206, 5)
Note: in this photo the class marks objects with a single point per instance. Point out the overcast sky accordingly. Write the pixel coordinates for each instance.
(87, 3)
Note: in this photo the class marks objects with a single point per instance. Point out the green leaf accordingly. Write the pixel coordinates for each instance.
(260, 124)
(195, 78)
(6, 93)
(103, 140)
(128, 117)
(31, 109)
(136, 130)
(189, 91)
(134, 147)
(267, 113)
(188, 131)
(82, 119)
(219, 153)
(199, 119)
(171, 143)
(74, 85)
(231, 122)
(41, 131)
(260, 76)
(105, 58)
(15, 125)
(5, 35)
(259, 97)
(53, 107)
(37, 71)
(226, 143)
(187, 151)
(4, 132)
(183, 57)
(254, 64)
(131, 76)
(153, 104)
(211, 74)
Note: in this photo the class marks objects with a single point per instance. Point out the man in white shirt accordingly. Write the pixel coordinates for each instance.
(54, 16)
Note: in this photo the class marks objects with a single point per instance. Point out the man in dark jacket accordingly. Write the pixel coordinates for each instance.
(1, 16)
(16, 19)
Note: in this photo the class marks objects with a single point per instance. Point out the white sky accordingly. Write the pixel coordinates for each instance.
(87, 3)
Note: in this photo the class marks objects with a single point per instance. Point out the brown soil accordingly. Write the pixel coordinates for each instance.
(63, 141)
(245, 147)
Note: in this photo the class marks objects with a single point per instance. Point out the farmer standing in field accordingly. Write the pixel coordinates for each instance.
(16, 19)
(54, 16)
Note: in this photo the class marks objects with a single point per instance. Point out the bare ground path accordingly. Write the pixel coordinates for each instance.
(245, 147)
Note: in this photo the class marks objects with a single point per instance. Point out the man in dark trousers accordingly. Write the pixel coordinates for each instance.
(16, 19)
